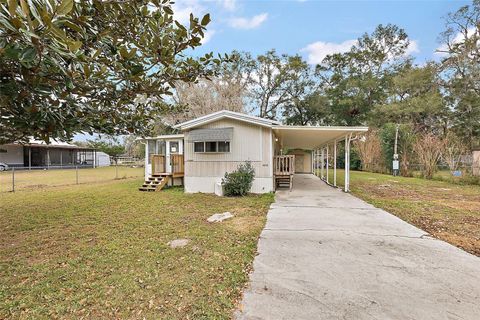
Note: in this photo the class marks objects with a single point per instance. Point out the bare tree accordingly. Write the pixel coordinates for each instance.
(207, 96)
(226, 91)
(454, 149)
(370, 151)
(428, 149)
(276, 82)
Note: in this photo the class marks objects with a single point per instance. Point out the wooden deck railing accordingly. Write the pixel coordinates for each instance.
(178, 166)
(176, 163)
(158, 163)
(284, 165)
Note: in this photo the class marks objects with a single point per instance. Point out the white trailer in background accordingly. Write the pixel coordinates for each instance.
(102, 159)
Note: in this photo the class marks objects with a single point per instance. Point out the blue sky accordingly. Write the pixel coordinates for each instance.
(314, 28)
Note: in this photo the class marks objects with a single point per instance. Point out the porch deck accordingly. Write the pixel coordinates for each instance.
(160, 176)
(283, 170)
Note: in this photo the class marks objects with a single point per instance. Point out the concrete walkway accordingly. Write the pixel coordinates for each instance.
(325, 254)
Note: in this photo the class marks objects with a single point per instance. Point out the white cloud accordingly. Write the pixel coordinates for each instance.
(459, 37)
(182, 10)
(412, 47)
(228, 5)
(208, 36)
(248, 23)
(317, 51)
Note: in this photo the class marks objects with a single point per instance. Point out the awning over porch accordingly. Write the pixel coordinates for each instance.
(310, 138)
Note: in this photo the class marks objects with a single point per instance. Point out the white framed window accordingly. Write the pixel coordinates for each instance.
(223, 146)
(199, 146)
(211, 146)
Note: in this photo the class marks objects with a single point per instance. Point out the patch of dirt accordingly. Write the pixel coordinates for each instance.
(390, 191)
(473, 206)
(244, 224)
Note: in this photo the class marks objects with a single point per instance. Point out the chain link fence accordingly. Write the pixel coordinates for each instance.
(22, 178)
(465, 172)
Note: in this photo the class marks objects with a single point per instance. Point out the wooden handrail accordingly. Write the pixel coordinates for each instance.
(284, 165)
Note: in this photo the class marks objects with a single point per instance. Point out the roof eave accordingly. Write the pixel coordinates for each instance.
(226, 114)
(322, 128)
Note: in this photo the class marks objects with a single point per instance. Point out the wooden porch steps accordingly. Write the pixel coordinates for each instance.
(155, 183)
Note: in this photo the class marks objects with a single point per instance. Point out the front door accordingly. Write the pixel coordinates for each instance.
(299, 163)
(158, 163)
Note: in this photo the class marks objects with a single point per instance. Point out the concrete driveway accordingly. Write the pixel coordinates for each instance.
(325, 254)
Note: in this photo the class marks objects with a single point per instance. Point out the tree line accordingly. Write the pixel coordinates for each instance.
(375, 83)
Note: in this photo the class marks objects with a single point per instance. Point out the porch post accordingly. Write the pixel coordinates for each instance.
(335, 163)
(147, 159)
(327, 164)
(322, 162)
(168, 167)
(48, 158)
(61, 158)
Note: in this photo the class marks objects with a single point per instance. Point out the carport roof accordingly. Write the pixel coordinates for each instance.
(309, 137)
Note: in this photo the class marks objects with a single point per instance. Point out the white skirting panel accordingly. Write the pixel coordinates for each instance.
(207, 184)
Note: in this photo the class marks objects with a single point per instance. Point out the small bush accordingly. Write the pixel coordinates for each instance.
(239, 182)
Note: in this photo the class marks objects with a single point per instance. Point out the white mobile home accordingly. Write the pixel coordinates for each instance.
(211, 145)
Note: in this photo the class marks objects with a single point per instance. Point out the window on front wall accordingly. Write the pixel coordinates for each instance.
(212, 146)
(223, 146)
(199, 146)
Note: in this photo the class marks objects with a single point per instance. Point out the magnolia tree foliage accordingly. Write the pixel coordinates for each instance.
(91, 66)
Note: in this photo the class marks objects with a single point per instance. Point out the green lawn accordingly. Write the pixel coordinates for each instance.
(100, 251)
(448, 211)
(38, 179)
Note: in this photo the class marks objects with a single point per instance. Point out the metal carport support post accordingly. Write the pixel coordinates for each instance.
(347, 163)
(313, 161)
(322, 163)
(327, 164)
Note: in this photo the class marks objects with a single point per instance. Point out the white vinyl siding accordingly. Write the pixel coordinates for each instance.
(249, 142)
